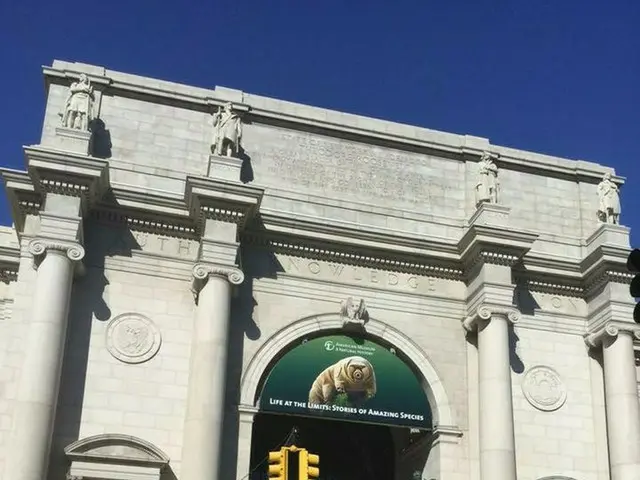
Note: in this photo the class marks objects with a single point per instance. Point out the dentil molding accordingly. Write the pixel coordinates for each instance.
(487, 312)
(611, 329)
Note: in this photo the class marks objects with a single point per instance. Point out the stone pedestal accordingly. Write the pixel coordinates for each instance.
(35, 405)
(497, 438)
(224, 168)
(72, 140)
(621, 396)
(201, 447)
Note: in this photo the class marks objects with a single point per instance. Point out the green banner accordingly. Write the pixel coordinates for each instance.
(346, 378)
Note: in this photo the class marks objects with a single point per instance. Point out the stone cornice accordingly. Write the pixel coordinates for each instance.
(22, 195)
(303, 117)
(221, 200)
(494, 245)
(9, 263)
(485, 312)
(612, 329)
(67, 173)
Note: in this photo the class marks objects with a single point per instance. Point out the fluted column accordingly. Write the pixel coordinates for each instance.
(206, 391)
(621, 396)
(497, 438)
(43, 353)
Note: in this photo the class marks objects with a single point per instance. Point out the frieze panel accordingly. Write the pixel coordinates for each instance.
(123, 241)
(369, 277)
(549, 302)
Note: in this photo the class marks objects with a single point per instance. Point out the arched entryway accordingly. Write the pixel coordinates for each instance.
(385, 433)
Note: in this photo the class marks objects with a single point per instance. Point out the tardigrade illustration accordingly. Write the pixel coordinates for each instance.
(353, 376)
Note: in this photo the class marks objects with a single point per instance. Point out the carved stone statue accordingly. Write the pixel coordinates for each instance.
(227, 132)
(78, 105)
(609, 206)
(354, 312)
(487, 186)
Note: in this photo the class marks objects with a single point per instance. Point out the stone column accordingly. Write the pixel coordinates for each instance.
(206, 391)
(621, 396)
(497, 438)
(39, 382)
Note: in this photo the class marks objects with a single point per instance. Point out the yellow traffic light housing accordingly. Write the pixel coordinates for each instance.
(278, 461)
(309, 465)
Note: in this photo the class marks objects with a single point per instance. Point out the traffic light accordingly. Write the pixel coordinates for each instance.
(633, 265)
(278, 462)
(309, 465)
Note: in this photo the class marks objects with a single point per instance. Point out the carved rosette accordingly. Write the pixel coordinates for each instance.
(611, 329)
(39, 247)
(486, 313)
(543, 388)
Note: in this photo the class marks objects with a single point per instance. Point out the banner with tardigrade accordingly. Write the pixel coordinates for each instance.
(347, 378)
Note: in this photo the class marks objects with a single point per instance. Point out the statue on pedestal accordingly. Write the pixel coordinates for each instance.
(487, 186)
(78, 105)
(227, 132)
(609, 205)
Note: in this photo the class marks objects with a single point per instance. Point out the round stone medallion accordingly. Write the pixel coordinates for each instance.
(133, 338)
(544, 389)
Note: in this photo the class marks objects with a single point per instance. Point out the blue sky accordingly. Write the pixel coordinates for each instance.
(557, 77)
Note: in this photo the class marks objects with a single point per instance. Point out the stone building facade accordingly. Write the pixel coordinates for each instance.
(170, 244)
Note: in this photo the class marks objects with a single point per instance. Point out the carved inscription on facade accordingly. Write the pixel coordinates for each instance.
(320, 164)
(133, 338)
(359, 275)
(549, 302)
(125, 242)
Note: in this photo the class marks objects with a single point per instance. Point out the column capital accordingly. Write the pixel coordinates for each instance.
(486, 312)
(612, 329)
(38, 247)
(202, 271)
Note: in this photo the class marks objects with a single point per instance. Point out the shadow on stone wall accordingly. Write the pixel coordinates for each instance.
(87, 303)
(257, 263)
(100, 140)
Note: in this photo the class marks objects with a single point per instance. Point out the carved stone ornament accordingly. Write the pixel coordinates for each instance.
(487, 185)
(611, 329)
(133, 338)
(487, 312)
(227, 132)
(609, 201)
(78, 105)
(39, 247)
(543, 388)
(354, 312)
(202, 271)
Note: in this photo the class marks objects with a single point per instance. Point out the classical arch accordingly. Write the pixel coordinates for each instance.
(96, 456)
(443, 414)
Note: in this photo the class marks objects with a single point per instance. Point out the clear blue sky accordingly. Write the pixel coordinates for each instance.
(555, 76)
